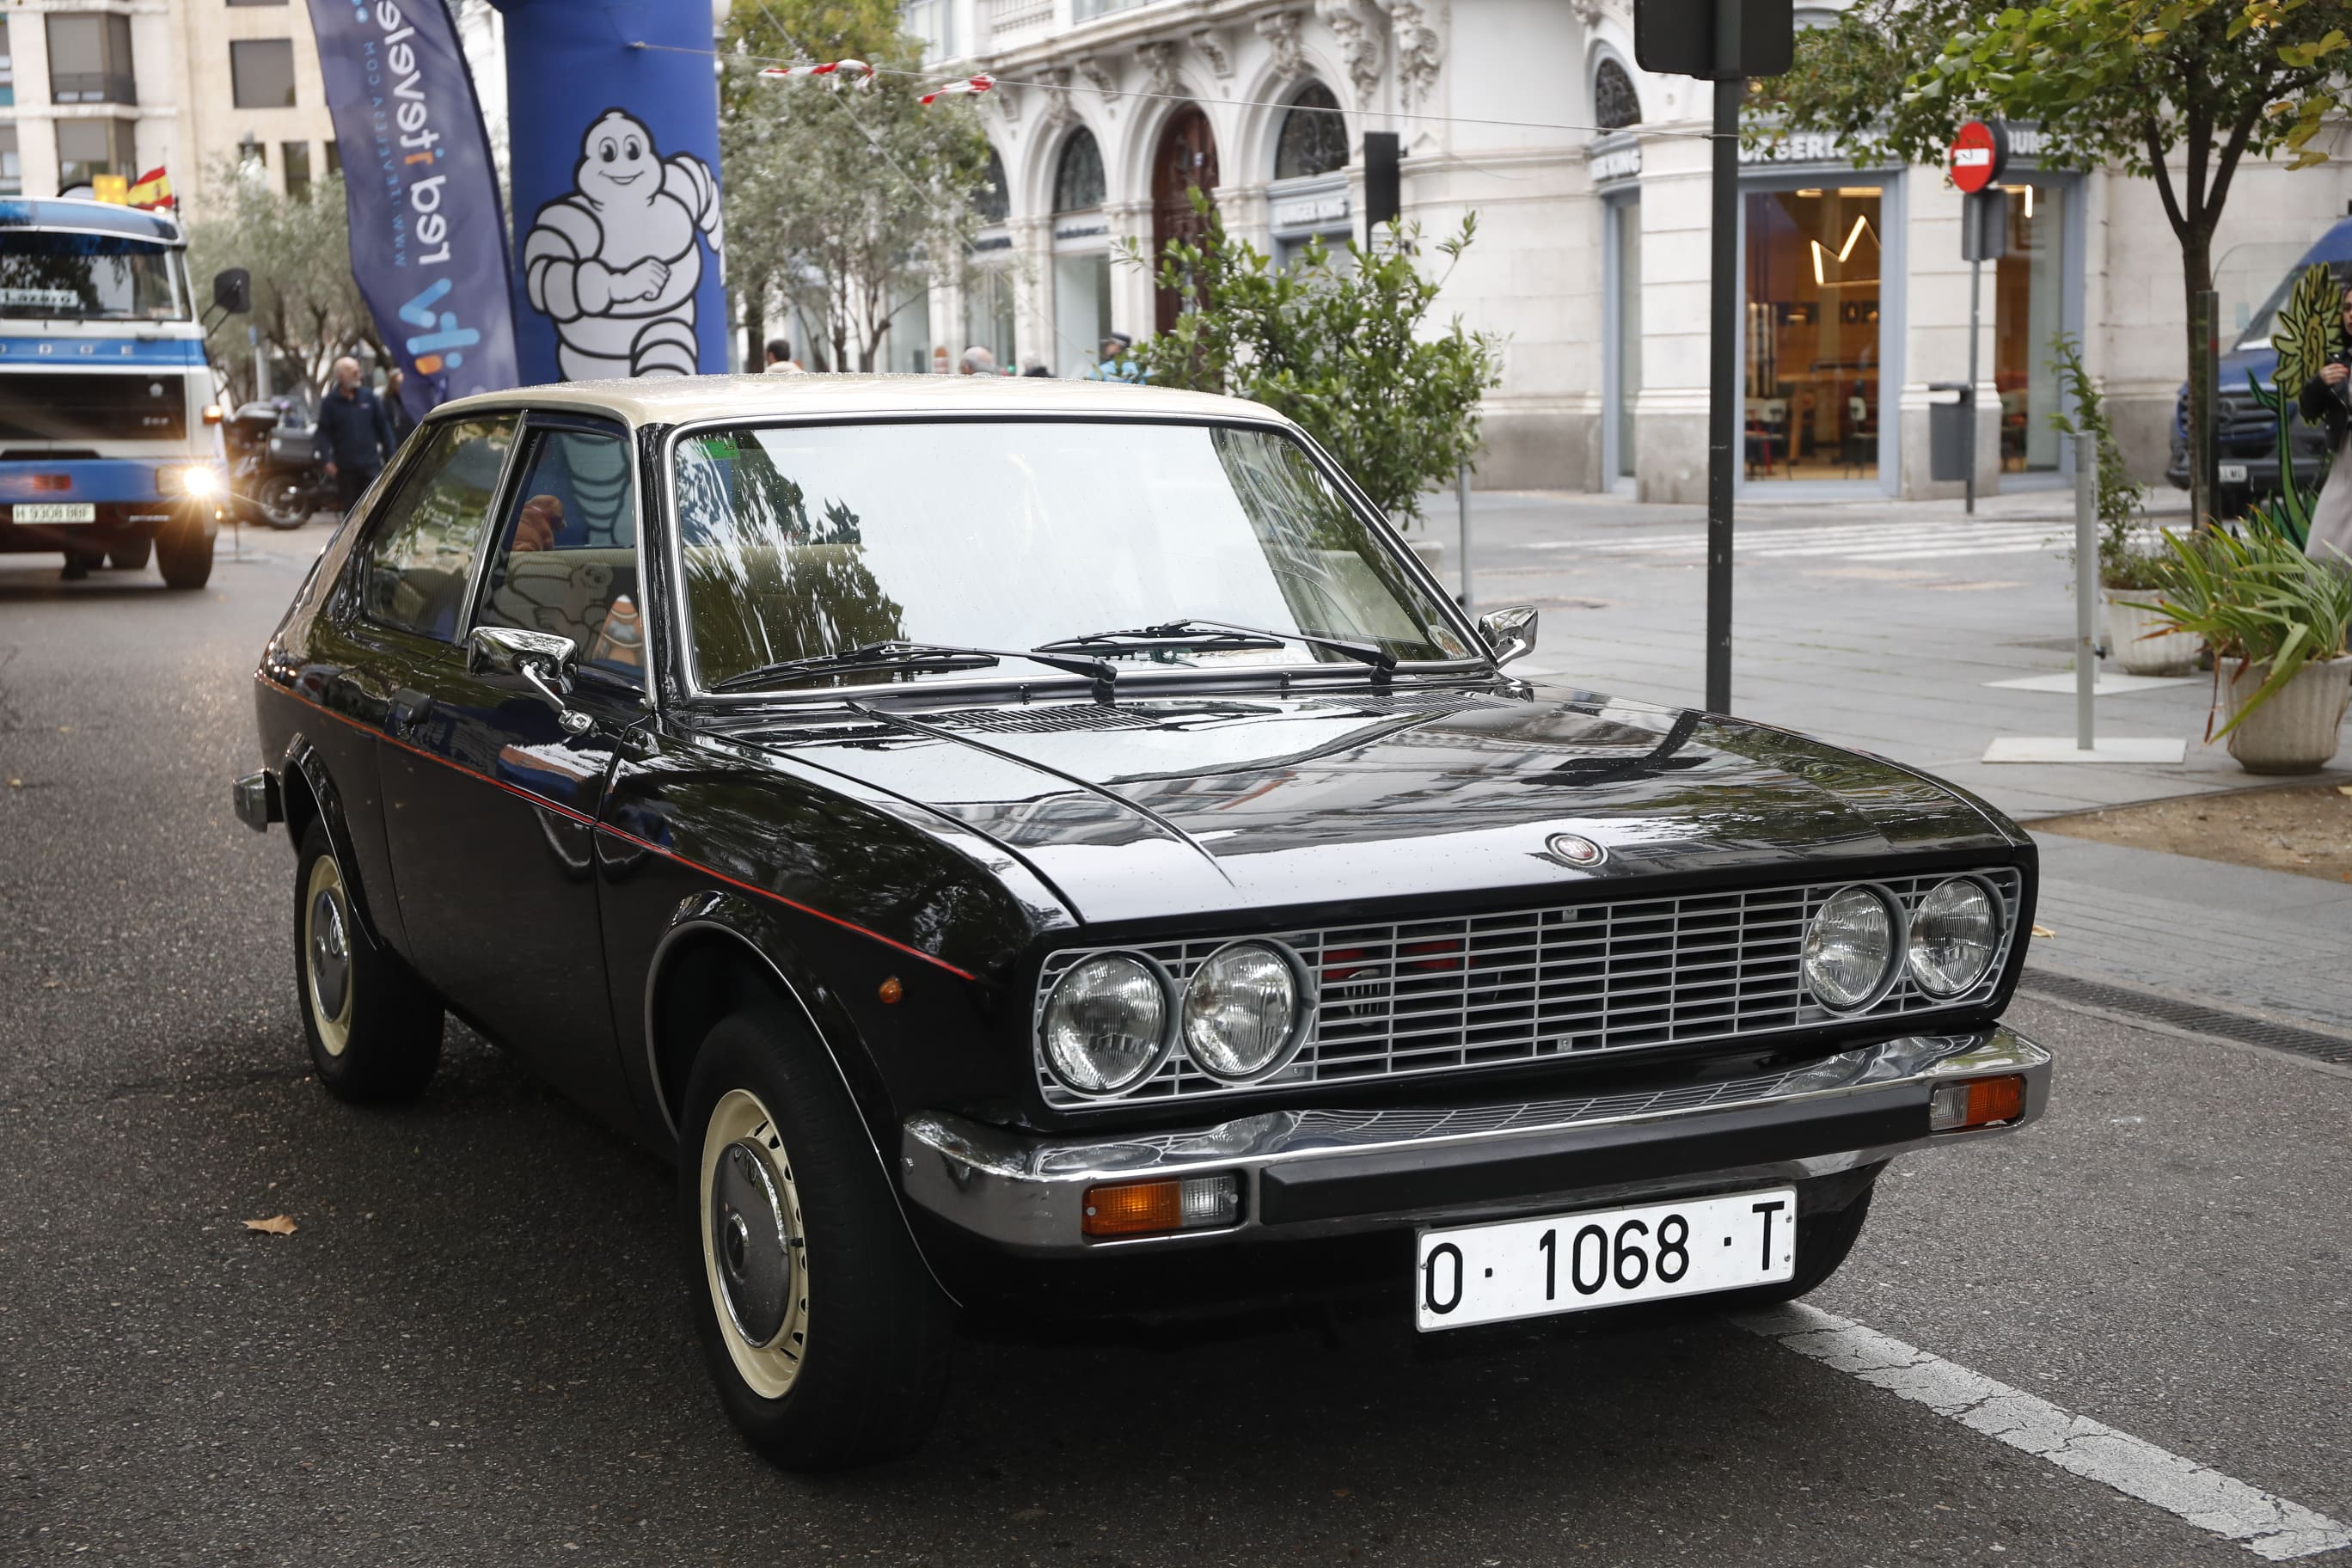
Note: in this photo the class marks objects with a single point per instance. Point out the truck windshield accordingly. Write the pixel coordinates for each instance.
(87, 278)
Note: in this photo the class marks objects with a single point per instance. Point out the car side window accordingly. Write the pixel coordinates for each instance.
(420, 556)
(565, 559)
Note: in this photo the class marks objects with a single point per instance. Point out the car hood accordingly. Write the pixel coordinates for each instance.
(1143, 809)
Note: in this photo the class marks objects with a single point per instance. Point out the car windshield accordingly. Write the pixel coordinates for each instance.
(87, 276)
(801, 541)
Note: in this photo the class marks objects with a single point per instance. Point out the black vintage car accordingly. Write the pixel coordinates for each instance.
(1047, 847)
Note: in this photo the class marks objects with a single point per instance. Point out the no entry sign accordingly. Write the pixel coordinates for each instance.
(1979, 150)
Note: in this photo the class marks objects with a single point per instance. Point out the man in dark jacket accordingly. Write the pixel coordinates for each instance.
(354, 434)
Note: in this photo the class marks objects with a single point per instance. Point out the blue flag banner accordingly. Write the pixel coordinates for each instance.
(428, 236)
(612, 130)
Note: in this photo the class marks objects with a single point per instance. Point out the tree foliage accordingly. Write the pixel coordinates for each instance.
(838, 193)
(1342, 350)
(305, 307)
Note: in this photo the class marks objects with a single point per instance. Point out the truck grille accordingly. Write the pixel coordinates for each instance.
(1565, 981)
(92, 405)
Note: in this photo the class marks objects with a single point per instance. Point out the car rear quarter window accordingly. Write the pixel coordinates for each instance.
(565, 560)
(420, 552)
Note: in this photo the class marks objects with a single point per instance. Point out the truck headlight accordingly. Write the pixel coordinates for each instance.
(1239, 1009)
(1106, 1025)
(196, 481)
(1849, 948)
(1953, 935)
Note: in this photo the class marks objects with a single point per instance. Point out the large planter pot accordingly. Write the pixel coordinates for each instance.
(2131, 646)
(2297, 731)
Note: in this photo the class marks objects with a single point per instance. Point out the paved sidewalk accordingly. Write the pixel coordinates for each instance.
(1878, 625)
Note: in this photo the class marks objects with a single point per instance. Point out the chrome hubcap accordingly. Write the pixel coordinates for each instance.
(753, 1247)
(330, 952)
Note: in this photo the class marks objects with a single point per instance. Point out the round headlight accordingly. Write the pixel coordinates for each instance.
(1238, 1011)
(1106, 1026)
(1849, 948)
(1953, 933)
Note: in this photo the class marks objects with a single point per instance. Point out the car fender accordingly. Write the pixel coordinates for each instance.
(302, 758)
(743, 923)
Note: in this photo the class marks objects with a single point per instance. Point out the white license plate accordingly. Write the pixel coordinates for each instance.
(54, 512)
(2234, 473)
(1606, 1257)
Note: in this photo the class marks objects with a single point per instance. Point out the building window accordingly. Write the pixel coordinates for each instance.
(7, 68)
(994, 201)
(90, 60)
(1814, 281)
(89, 147)
(262, 73)
(12, 167)
(1314, 139)
(298, 168)
(252, 157)
(1615, 104)
(334, 159)
(1078, 181)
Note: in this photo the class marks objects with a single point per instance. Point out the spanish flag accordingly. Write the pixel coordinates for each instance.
(152, 190)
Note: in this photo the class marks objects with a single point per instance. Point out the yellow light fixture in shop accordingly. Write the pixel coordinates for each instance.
(1820, 250)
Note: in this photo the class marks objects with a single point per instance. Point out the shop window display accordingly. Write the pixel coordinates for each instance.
(2028, 304)
(1814, 266)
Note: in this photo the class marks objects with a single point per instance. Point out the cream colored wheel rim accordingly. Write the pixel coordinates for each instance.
(328, 980)
(754, 1261)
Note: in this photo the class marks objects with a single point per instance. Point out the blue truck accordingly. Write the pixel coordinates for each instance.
(2245, 434)
(109, 418)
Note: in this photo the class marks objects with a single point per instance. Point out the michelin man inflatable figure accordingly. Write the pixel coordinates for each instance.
(614, 262)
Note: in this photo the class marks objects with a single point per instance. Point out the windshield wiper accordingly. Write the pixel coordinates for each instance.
(913, 656)
(1187, 633)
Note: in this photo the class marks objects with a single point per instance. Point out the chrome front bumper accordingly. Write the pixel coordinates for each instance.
(1321, 1173)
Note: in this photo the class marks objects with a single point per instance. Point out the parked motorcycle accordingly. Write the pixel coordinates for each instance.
(276, 469)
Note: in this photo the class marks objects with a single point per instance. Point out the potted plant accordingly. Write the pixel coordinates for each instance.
(2135, 638)
(2277, 623)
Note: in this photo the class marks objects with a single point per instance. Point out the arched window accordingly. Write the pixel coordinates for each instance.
(1078, 181)
(1614, 101)
(1314, 139)
(993, 201)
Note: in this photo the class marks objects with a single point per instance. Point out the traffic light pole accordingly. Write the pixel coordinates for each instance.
(1725, 426)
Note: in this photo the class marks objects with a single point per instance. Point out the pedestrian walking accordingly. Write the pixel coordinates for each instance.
(977, 361)
(1118, 362)
(2328, 401)
(354, 434)
(780, 357)
(394, 409)
(1036, 366)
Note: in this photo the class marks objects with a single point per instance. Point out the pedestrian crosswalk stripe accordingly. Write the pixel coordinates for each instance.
(1878, 541)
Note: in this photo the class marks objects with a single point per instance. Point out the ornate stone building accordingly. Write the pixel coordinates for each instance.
(1589, 179)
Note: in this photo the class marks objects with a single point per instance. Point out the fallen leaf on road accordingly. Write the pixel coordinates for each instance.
(19, 784)
(2340, 789)
(1029, 1513)
(2040, 930)
(276, 1225)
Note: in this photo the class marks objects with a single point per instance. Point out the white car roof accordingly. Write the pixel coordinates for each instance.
(670, 400)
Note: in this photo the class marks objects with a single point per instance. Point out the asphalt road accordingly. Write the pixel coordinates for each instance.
(475, 1347)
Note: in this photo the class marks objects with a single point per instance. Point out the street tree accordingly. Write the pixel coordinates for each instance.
(2181, 91)
(306, 308)
(840, 194)
(1344, 351)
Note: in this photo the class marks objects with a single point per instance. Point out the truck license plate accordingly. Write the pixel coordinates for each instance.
(54, 512)
(1604, 1258)
(2234, 473)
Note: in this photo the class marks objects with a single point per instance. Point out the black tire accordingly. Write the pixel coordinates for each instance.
(131, 557)
(1824, 1240)
(184, 553)
(770, 1147)
(287, 505)
(376, 1038)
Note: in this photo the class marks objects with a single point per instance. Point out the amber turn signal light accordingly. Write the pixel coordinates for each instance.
(1154, 1208)
(1980, 1103)
(213, 414)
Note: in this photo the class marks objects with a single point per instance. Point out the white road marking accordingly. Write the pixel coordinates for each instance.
(2269, 1527)
(1856, 542)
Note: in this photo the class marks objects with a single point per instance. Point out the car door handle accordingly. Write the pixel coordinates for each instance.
(406, 708)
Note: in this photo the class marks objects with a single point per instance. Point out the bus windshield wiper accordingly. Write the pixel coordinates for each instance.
(913, 656)
(1192, 632)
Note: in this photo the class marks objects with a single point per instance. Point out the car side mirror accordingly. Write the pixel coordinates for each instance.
(1508, 632)
(233, 290)
(541, 661)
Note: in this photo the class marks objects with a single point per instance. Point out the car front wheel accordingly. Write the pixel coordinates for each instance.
(823, 1331)
(374, 1030)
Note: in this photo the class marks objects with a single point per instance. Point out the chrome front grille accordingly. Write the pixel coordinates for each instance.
(1579, 980)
